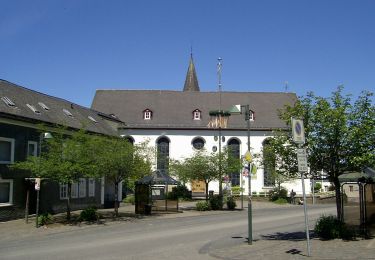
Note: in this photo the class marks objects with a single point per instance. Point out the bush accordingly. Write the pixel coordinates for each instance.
(202, 206)
(317, 187)
(129, 199)
(231, 203)
(281, 201)
(216, 202)
(45, 219)
(329, 227)
(89, 214)
(278, 193)
(179, 192)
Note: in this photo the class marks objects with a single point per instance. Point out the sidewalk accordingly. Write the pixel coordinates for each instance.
(277, 246)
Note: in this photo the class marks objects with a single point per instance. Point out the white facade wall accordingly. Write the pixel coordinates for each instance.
(180, 147)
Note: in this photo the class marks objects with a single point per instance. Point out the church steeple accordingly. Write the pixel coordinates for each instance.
(191, 81)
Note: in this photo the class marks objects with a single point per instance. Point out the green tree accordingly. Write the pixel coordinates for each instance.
(340, 134)
(119, 160)
(65, 159)
(205, 167)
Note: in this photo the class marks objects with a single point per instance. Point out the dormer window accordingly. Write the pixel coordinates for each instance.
(147, 114)
(197, 115)
(251, 115)
(42, 105)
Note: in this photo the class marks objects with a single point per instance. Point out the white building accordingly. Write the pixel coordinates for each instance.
(176, 123)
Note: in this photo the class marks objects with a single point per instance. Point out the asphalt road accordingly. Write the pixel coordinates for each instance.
(161, 238)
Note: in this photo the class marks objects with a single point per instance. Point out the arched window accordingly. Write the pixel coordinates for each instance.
(269, 164)
(130, 139)
(234, 149)
(198, 143)
(162, 154)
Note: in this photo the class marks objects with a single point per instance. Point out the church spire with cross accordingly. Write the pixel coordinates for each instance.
(191, 81)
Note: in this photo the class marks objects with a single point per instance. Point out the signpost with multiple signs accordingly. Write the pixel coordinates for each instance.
(298, 132)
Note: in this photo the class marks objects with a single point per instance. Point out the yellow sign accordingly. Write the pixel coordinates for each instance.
(248, 157)
(198, 186)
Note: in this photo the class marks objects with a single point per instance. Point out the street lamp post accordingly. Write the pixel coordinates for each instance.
(38, 180)
(249, 206)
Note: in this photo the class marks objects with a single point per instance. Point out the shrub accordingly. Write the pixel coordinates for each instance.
(129, 199)
(281, 201)
(202, 206)
(179, 192)
(45, 219)
(317, 187)
(329, 227)
(216, 202)
(278, 193)
(231, 203)
(89, 214)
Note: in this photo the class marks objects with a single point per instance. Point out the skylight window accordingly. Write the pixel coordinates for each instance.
(8, 101)
(42, 105)
(67, 112)
(36, 111)
(92, 119)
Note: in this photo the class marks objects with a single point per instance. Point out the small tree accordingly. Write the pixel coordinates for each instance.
(65, 160)
(119, 160)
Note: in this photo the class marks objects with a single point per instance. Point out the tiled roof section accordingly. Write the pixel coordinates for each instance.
(173, 109)
(191, 81)
(51, 110)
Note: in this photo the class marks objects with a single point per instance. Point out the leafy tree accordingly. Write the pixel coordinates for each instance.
(66, 159)
(119, 160)
(339, 134)
(205, 166)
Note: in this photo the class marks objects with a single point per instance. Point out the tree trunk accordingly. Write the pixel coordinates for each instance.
(116, 199)
(206, 191)
(338, 197)
(68, 209)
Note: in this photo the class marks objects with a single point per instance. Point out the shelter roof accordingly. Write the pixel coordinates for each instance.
(367, 175)
(157, 177)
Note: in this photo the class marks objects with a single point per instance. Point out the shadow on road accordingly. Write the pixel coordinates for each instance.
(290, 236)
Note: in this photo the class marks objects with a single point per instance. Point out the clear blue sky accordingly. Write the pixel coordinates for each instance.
(71, 48)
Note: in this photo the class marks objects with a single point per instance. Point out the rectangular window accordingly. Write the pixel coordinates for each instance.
(6, 150)
(351, 188)
(32, 148)
(74, 190)
(6, 192)
(63, 191)
(91, 187)
(147, 115)
(82, 187)
(197, 115)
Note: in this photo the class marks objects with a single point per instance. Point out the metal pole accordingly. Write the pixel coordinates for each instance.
(306, 216)
(37, 192)
(313, 191)
(249, 206)
(27, 204)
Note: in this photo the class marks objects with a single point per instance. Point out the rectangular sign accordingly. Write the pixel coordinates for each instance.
(298, 131)
(302, 160)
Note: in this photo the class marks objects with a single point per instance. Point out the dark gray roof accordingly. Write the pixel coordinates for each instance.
(21, 96)
(157, 177)
(174, 109)
(191, 81)
(367, 175)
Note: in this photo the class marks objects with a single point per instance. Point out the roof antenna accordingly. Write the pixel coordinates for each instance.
(191, 50)
(286, 86)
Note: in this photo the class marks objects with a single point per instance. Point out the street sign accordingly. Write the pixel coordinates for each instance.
(248, 157)
(37, 183)
(245, 172)
(298, 131)
(302, 160)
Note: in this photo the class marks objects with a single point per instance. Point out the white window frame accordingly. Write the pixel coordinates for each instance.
(63, 191)
(74, 191)
(251, 115)
(82, 188)
(11, 140)
(10, 202)
(35, 152)
(197, 115)
(147, 115)
(91, 187)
